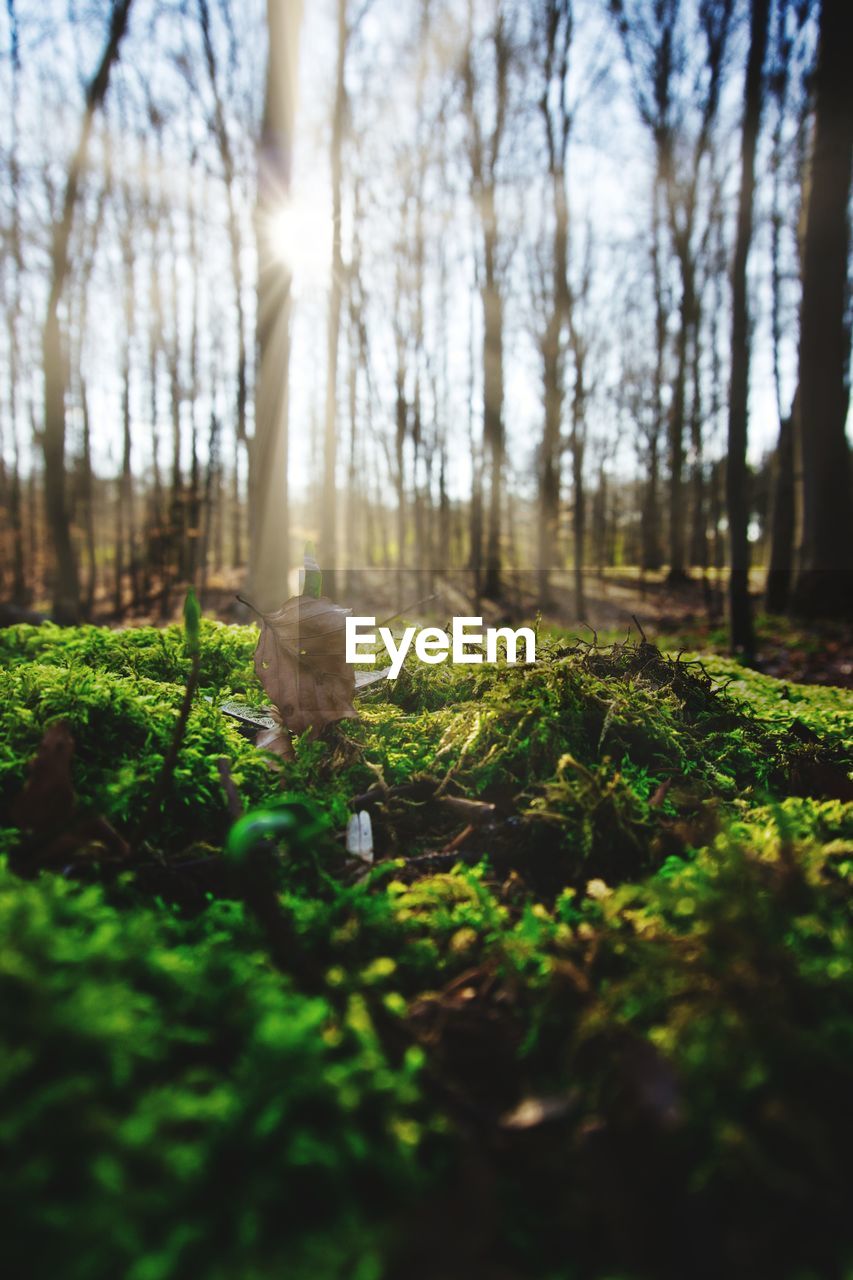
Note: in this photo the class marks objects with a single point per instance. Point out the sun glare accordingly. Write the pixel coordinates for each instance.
(301, 233)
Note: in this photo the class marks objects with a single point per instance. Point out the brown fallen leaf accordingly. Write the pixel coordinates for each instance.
(660, 794)
(46, 810)
(266, 717)
(276, 739)
(301, 662)
(47, 799)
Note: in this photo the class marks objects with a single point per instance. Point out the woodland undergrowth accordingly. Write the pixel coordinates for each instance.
(588, 1014)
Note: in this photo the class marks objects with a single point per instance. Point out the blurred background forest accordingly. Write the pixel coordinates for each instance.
(533, 301)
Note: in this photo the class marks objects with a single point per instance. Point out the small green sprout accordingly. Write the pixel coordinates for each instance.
(192, 623)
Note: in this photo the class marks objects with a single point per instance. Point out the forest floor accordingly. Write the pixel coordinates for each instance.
(689, 616)
(587, 1014)
(618, 602)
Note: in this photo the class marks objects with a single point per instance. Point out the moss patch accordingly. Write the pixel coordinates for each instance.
(608, 1032)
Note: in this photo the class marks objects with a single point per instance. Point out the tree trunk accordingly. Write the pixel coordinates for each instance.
(493, 427)
(353, 508)
(34, 521)
(578, 442)
(13, 481)
(226, 155)
(651, 540)
(579, 530)
(270, 551)
(193, 521)
(445, 531)
(16, 266)
(484, 151)
(741, 634)
(549, 485)
(174, 545)
(328, 515)
(779, 571)
(686, 330)
(19, 586)
(552, 368)
(417, 485)
(475, 506)
(698, 532)
(155, 566)
(88, 497)
(236, 509)
(599, 523)
(125, 534)
(401, 416)
(824, 583)
(124, 509)
(211, 484)
(66, 586)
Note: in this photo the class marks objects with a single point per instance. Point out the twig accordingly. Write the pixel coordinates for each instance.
(406, 609)
(249, 605)
(443, 857)
(639, 627)
(167, 769)
(232, 795)
(455, 843)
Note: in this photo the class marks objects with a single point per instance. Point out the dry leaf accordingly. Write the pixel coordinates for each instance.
(276, 739)
(301, 662)
(46, 810)
(660, 794)
(47, 799)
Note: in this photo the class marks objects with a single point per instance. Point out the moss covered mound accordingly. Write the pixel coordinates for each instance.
(590, 1014)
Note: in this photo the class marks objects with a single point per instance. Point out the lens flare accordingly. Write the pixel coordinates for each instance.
(301, 238)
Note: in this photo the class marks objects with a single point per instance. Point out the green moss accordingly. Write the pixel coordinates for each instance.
(122, 726)
(170, 1105)
(153, 652)
(822, 709)
(651, 952)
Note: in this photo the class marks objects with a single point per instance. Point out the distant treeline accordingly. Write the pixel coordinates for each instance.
(550, 238)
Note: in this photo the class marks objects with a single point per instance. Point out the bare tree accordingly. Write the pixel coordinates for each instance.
(235, 242)
(86, 481)
(126, 559)
(155, 533)
(329, 503)
(824, 582)
(16, 267)
(485, 141)
(579, 345)
(557, 22)
(658, 52)
(782, 497)
(269, 527)
(737, 497)
(66, 587)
